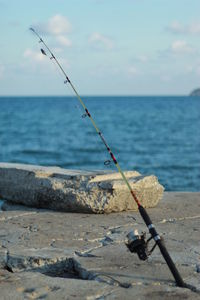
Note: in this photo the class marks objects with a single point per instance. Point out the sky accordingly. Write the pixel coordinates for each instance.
(107, 47)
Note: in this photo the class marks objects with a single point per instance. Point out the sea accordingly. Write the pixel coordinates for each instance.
(153, 135)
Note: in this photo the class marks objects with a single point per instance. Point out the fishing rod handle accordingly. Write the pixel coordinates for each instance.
(162, 247)
(171, 264)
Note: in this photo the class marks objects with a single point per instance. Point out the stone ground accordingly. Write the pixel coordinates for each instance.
(54, 255)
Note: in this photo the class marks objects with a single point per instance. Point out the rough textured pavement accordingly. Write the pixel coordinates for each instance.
(55, 255)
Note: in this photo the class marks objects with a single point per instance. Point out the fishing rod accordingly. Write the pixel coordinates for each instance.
(136, 243)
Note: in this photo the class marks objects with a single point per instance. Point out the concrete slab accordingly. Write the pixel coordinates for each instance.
(54, 255)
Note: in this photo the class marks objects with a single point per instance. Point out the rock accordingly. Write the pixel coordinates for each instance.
(75, 190)
(196, 92)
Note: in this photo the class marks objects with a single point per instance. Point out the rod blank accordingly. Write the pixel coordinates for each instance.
(142, 211)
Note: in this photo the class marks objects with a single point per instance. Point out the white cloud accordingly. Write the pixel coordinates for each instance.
(101, 41)
(198, 70)
(142, 58)
(59, 25)
(57, 50)
(63, 41)
(2, 69)
(181, 47)
(165, 78)
(133, 71)
(178, 28)
(65, 63)
(35, 56)
(193, 68)
(56, 25)
(189, 68)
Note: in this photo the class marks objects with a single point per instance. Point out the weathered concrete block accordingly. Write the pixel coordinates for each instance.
(75, 190)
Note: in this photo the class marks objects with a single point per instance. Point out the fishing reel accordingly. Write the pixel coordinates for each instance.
(138, 244)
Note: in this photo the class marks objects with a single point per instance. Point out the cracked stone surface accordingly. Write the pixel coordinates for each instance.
(74, 190)
(53, 255)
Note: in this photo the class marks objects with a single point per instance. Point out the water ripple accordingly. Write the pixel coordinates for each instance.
(159, 135)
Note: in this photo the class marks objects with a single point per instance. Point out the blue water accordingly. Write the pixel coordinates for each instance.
(153, 135)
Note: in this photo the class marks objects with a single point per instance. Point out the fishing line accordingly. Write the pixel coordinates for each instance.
(93, 138)
(96, 148)
(107, 162)
(136, 243)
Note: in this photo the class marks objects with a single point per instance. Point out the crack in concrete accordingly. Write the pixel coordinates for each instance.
(59, 267)
(17, 216)
(172, 220)
(71, 268)
(101, 296)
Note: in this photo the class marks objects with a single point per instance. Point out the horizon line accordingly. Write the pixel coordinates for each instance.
(103, 95)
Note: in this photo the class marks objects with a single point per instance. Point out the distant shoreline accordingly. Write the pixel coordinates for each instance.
(195, 93)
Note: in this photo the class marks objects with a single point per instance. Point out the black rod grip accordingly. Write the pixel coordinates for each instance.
(162, 247)
(171, 264)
